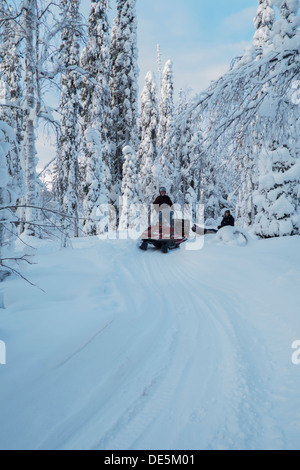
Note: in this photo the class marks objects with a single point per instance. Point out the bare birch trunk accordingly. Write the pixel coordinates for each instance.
(30, 114)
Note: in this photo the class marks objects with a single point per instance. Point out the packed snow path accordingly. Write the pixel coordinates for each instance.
(132, 350)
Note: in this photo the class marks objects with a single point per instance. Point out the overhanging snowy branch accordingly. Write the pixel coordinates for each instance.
(255, 76)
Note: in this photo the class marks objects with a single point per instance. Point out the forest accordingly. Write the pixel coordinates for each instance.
(234, 146)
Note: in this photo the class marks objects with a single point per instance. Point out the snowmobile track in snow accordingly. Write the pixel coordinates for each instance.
(189, 351)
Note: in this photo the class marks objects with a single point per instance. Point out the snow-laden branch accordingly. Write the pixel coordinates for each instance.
(256, 74)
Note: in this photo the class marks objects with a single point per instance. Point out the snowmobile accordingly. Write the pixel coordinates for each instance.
(227, 234)
(168, 234)
(204, 231)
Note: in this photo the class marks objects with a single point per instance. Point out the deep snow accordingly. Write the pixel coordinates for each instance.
(133, 350)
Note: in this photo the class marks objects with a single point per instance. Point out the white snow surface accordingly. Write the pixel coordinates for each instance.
(134, 350)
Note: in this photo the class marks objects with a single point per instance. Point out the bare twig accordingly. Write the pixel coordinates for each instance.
(10, 18)
(46, 9)
(19, 238)
(17, 260)
(46, 167)
(52, 211)
(23, 277)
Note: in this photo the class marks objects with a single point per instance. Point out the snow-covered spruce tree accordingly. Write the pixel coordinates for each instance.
(148, 126)
(287, 26)
(96, 115)
(289, 11)
(278, 194)
(190, 182)
(130, 188)
(166, 119)
(213, 193)
(97, 181)
(246, 170)
(213, 169)
(68, 166)
(7, 191)
(186, 149)
(11, 58)
(159, 68)
(124, 85)
(11, 92)
(17, 184)
(178, 146)
(166, 104)
(264, 22)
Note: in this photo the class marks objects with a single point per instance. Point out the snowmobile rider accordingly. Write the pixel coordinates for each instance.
(162, 199)
(228, 220)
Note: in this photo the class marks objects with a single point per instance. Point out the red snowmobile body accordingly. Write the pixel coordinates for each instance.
(165, 237)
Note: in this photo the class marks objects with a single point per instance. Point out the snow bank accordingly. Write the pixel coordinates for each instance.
(233, 236)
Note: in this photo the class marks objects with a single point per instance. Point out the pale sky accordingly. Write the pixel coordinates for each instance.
(201, 37)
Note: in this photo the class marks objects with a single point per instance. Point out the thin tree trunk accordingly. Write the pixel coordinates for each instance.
(30, 115)
(3, 271)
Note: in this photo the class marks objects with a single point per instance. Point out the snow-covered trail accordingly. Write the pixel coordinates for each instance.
(132, 350)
